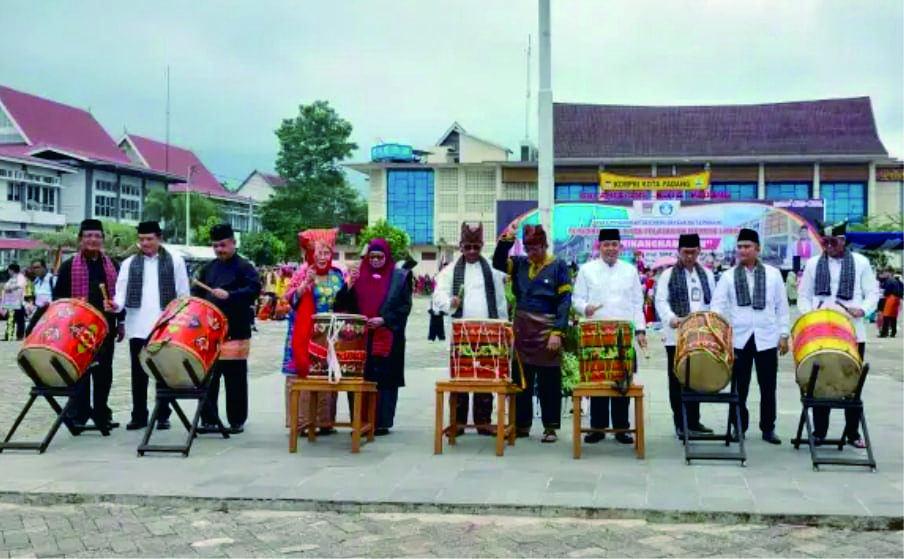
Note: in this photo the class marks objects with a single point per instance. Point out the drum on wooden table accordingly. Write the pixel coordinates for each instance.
(481, 349)
(70, 330)
(606, 351)
(705, 344)
(346, 334)
(827, 337)
(190, 329)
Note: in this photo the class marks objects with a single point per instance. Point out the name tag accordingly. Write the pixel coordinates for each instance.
(696, 294)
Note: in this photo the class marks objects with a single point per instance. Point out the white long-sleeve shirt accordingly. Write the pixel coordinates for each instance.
(474, 304)
(140, 321)
(866, 290)
(766, 325)
(694, 296)
(616, 287)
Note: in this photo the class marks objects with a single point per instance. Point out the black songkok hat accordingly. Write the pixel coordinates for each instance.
(689, 240)
(834, 230)
(748, 235)
(91, 225)
(610, 235)
(149, 227)
(221, 232)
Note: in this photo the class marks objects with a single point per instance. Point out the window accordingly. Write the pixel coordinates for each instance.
(133, 190)
(788, 190)
(130, 209)
(519, 191)
(428, 256)
(576, 192)
(409, 203)
(14, 191)
(844, 201)
(104, 206)
(735, 191)
(41, 198)
(104, 186)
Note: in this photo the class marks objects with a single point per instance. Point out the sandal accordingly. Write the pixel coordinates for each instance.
(857, 443)
(549, 436)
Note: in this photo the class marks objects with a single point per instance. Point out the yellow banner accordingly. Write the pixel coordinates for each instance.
(696, 181)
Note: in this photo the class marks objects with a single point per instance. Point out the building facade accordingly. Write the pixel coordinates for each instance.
(826, 149)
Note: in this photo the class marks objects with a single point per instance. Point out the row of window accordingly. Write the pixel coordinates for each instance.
(127, 189)
(106, 206)
(409, 203)
(39, 198)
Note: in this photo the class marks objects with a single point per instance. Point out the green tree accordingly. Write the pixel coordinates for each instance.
(398, 239)
(264, 248)
(169, 209)
(202, 232)
(316, 195)
(120, 240)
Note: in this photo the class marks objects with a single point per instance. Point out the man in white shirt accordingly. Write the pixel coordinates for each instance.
(751, 297)
(14, 301)
(609, 289)
(146, 284)
(682, 289)
(471, 289)
(43, 282)
(845, 281)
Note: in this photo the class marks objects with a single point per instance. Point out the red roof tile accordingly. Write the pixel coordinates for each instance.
(46, 122)
(274, 180)
(20, 244)
(177, 162)
(825, 127)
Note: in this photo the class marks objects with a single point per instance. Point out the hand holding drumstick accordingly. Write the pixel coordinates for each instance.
(221, 294)
(108, 304)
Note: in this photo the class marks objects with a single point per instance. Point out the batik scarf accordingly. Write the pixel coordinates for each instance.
(678, 296)
(845, 282)
(742, 290)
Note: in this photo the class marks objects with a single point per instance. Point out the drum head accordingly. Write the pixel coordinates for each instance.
(707, 374)
(839, 373)
(39, 358)
(169, 363)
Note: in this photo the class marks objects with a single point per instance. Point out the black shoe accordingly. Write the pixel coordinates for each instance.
(700, 428)
(236, 429)
(163, 424)
(110, 424)
(624, 438)
(591, 438)
(458, 432)
(819, 441)
(522, 434)
(325, 431)
(734, 437)
(486, 432)
(206, 428)
(381, 432)
(771, 438)
(136, 425)
(679, 432)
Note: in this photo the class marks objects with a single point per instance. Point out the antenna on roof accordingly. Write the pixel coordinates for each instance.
(166, 139)
(527, 103)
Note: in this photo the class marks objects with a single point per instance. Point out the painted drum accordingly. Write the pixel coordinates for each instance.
(347, 334)
(190, 329)
(606, 350)
(827, 337)
(70, 330)
(481, 349)
(704, 345)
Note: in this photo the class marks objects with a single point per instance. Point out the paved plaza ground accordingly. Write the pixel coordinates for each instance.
(400, 473)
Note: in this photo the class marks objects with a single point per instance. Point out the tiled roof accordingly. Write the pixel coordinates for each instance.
(20, 153)
(273, 180)
(825, 127)
(177, 161)
(48, 123)
(20, 244)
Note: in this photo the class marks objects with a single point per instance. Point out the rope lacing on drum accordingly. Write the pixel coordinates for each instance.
(334, 368)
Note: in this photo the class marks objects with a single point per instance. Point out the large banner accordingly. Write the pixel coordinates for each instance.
(787, 228)
(695, 181)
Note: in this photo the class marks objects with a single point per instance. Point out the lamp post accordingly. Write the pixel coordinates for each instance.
(545, 165)
(191, 168)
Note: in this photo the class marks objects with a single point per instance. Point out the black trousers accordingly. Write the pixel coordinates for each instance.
(549, 390)
(766, 362)
(437, 329)
(599, 413)
(235, 377)
(851, 415)
(19, 319)
(693, 408)
(102, 381)
(387, 400)
(140, 386)
(483, 408)
(889, 325)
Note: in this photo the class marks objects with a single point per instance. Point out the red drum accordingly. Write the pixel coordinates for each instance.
(70, 330)
(606, 350)
(344, 334)
(481, 349)
(190, 329)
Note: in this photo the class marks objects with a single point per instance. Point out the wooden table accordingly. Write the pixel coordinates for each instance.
(605, 389)
(364, 395)
(505, 393)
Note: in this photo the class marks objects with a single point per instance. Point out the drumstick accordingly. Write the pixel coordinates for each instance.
(202, 286)
(103, 291)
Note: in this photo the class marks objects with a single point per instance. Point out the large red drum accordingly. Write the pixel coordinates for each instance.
(347, 335)
(481, 349)
(70, 330)
(190, 329)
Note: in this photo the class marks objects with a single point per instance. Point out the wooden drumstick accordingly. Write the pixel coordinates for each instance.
(103, 291)
(202, 286)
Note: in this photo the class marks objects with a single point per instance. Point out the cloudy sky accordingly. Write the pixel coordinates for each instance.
(404, 70)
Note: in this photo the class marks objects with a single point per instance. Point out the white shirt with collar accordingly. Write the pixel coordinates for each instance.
(866, 290)
(474, 304)
(44, 289)
(140, 321)
(766, 325)
(616, 287)
(694, 296)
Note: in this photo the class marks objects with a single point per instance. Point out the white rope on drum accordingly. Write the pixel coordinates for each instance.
(334, 368)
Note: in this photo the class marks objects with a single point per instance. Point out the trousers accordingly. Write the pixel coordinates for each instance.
(235, 379)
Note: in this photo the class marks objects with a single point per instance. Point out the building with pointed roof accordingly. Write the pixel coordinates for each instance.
(260, 186)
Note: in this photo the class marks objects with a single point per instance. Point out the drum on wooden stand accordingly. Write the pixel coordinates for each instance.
(827, 337)
(481, 349)
(190, 329)
(70, 330)
(606, 351)
(344, 334)
(705, 345)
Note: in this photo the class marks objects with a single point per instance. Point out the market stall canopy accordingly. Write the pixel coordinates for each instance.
(876, 241)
